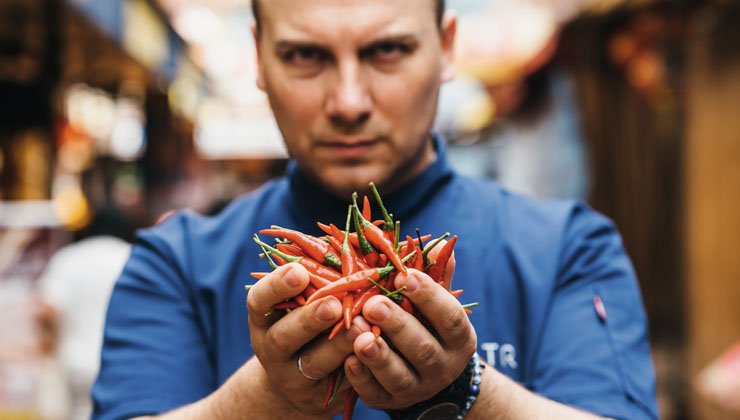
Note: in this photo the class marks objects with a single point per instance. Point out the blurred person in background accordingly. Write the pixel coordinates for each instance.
(74, 291)
(354, 87)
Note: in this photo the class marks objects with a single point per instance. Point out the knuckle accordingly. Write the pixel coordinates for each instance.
(278, 343)
(406, 385)
(252, 302)
(310, 322)
(374, 399)
(395, 327)
(455, 321)
(426, 352)
(425, 295)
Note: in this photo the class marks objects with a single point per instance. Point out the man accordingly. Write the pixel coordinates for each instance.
(354, 85)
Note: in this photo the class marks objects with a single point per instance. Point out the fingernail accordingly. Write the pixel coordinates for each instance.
(355, 366)
(291, 277)
(371, 350)
(409, 280)
(329, 310)
(379, 312)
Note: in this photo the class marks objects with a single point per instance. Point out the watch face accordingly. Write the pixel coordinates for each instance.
(441, 411)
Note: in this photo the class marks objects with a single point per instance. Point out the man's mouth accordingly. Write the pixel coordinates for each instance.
(349, 148)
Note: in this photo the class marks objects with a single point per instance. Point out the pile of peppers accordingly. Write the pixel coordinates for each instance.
(355, 266)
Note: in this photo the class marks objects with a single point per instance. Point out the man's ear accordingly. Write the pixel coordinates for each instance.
(448, 31)
(258, 55)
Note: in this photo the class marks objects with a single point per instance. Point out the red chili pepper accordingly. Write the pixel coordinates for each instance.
(407, 247)
(311, 265)
(430, 246)
(291, 249)
(349, 404)
(366, 211)
(309, 290)
(335, 245)
(338, 234)
(258, 275)
(286, 305)
(300, 300)
(313, 247)
(347, 302)
(379, 241)
(354, 281)
(364, 296)
(325, 228)
(376, 330)
(438, 269)
(339, 326)
(407, 305)
(369, 253)
(359, 262)
(456, 293)
(316, 280)
(319, 275)
(331, 381)
(418, 259)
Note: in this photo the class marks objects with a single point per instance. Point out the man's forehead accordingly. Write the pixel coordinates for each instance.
(345, 18)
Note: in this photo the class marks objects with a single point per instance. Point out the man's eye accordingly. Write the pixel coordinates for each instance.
(388, 51)
(304, 55)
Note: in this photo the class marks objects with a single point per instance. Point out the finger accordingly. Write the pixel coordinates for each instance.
(363, 381)
(444, 312)
(324, 356)
(280, 285)
(410, 338)
(297, 328)
(389, 369)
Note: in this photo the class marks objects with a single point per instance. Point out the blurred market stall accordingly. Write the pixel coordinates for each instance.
(132, 108)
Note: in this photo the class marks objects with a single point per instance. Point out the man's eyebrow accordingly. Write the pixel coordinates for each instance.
(289, 44)
(401, 38)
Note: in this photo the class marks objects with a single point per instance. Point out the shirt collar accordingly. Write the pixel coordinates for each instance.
(311, 203)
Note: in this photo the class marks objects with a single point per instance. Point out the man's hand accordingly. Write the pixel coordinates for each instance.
(279, 340)
(422, 360)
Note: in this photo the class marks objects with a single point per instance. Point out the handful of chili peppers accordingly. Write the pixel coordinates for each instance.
(355, 266)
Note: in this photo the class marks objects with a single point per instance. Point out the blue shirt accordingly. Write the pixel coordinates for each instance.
(177, 323)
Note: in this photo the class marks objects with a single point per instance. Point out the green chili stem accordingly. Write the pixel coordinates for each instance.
(471, 305)
(387, 218)
(340, 379)
(345, 243)
(265, 247)
(267, 255)
(365, 246)
(431, 246)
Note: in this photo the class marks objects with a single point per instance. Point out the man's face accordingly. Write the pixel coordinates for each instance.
(354, 85)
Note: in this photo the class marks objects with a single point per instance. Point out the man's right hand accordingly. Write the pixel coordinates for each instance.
(279, 339)
(270, 385)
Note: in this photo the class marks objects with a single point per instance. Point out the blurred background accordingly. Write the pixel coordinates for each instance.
(113, 113)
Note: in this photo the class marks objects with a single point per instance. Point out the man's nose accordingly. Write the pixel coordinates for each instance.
(349, 102)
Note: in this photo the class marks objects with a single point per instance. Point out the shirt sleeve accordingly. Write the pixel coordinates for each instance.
(154, 356)
(593, 352)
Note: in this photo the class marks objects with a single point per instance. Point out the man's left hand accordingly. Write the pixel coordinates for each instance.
(422, 361)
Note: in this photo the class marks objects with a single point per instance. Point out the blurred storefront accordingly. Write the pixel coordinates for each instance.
(131, 108)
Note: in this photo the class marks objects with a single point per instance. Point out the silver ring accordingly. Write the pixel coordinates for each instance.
(300, 369)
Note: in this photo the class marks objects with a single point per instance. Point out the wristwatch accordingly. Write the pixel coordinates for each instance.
(452, 403)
